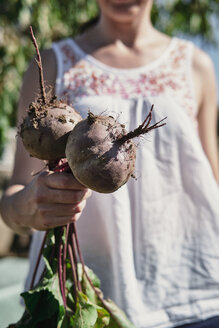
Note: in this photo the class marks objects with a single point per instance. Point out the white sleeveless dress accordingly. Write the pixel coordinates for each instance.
(154, 243)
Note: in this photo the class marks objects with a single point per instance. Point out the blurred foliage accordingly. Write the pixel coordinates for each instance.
(188, 17)
(55, 19)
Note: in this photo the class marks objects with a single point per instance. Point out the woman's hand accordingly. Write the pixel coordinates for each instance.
(50, 200)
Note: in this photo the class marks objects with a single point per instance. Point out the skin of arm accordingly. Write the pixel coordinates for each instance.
(46, 199)
(206, 94)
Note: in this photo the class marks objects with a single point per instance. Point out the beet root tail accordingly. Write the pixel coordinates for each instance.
(144, 128)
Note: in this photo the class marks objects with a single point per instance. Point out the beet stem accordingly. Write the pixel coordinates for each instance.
(38, 259)
(64, 256)
(74, 249)
(74, 275)
(142, 128)
(86, 274)
(51, 258)
(39, 63)
(62, 167)
(60, 267)
(78, 246)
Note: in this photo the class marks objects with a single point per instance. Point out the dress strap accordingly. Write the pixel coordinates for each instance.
(181, 62)
(66, 58)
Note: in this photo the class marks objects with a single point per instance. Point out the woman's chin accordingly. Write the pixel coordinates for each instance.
(122, 11)
(125, 12)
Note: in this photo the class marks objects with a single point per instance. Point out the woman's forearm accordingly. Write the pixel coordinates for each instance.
(10, 209)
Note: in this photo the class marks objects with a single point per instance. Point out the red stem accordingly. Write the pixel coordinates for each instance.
(61, 168)
(51, 257)
(74, 251)
(74, 275)
(60, 267)
(64, 256)
(38, 259)
(142, 128)
(84, 271)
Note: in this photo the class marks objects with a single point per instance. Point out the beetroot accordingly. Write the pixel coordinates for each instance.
(95, 156)
(45, 129)
(101, 153)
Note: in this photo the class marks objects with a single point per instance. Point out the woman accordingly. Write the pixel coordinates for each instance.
(154, 242)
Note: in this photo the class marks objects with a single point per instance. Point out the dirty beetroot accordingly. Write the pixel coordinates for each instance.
(103, 163)
(101, 154)
(45, 129)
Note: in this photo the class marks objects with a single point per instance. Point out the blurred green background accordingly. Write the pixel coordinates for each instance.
(55, 19)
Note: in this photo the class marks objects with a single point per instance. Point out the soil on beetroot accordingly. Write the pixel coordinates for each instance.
(45, 129)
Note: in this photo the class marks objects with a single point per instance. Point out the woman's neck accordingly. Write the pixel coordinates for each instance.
(129, 33)
(133, 31)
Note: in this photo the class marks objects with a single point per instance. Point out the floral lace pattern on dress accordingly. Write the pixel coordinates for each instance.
(82, 76)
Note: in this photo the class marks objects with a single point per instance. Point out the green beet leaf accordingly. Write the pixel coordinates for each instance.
(118, 319)
(93, 277)
(86, 313)
(103, 318)
(44, 302)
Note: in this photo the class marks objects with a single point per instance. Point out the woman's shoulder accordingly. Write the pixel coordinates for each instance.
(202, 62)
(204, 75)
